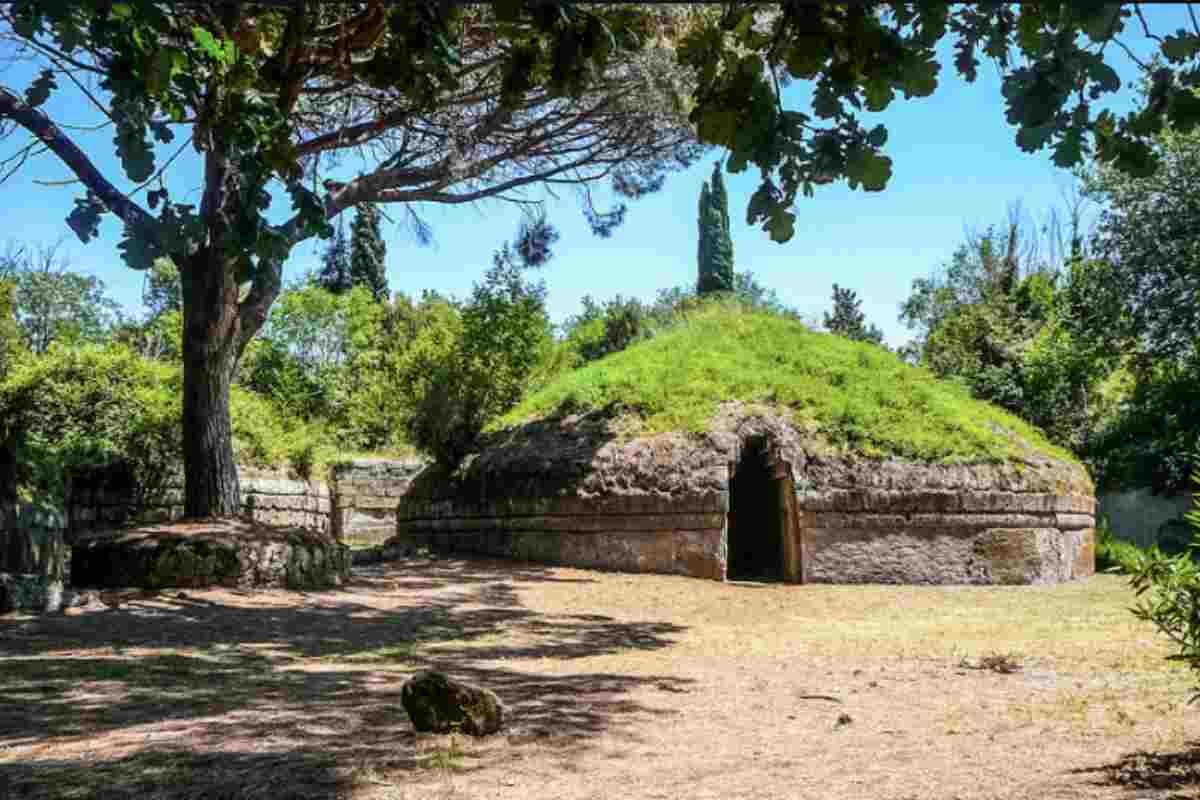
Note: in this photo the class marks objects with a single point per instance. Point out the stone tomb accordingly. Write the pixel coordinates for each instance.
(753, 498)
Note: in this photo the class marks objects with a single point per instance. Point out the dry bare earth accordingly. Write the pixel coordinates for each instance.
(619, 686)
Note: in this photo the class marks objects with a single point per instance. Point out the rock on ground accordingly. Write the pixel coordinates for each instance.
(438, 704)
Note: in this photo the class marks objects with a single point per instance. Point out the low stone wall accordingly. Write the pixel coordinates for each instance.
(32, 540)
(682, 536)
(843, 536)
(103, 499)
(365, 493)
(574, 492)
(274, 498)
(945, 537)
(201, 554)
(34, 558)
(1138, 515)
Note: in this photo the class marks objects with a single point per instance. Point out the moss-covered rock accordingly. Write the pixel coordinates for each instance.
(220, 553)
(438, 704)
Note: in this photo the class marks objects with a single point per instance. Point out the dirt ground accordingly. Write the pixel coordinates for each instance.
(617, 686)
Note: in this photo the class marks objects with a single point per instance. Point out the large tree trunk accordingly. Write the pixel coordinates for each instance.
(210, 347)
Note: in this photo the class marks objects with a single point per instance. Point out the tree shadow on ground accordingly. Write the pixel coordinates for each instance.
(176, 696)
(1177, 773)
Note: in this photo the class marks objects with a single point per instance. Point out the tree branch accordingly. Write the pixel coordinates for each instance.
(139, 220)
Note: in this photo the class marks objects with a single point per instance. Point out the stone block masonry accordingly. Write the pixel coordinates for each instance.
(101, 499)
(565, 493)
(356, 504)
(365, 494)
(628, 534)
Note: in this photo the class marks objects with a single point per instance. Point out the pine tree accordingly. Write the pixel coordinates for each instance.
(334, 274)
(368, 253)
(848, 319)
(716, 247)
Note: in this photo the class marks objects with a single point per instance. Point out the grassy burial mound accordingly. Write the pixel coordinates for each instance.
(742, 444)
(854, 397)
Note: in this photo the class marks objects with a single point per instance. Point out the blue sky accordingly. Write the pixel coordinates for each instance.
(956, 165)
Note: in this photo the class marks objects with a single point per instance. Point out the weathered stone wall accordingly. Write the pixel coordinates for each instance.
(575, 492)
(34, 558)
(31, 540)
(221, 553)
(631, 533)
(357, 504)
(1138, 515)
(963, 536)
(104, 499)
(365, 493)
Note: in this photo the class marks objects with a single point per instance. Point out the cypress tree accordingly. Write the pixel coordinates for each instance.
(368, 252)
(704, 246)
(716, 246)
(334, 275)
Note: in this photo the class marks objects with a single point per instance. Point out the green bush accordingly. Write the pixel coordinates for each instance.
(468, 366)
(1113, 554)
(96, 404)
(303, 356)
(10, 332)
(1168, 590)
(91, 404)
(1153, 439)
(602, 329)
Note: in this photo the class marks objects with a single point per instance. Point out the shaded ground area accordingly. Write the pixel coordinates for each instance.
(619, 686)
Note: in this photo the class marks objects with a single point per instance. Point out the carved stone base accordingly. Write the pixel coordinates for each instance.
(196, 554)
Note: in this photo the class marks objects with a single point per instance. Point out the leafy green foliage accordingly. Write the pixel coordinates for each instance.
(55, 304)
(1032, 344)
(11, 343)
(475, 366)
(1168, 589)
(715, 249)
(1149, 234)
(853, 395)
(311, 338)
(1153, 440)
(601, 329)
(863, 55)
(1113, 554)
(164, 291)
(848, 320)
(91, 404)
(94, 404)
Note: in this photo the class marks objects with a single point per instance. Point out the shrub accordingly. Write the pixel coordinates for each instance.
(469, 366)
(1113, 554)
(10, 332)
(1153, 439)
(91, 404)
(605, 328)
(1168, 588)
(96, 404)
(305, 350)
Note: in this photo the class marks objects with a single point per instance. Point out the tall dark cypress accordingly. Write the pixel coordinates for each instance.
(704, 247)
(334, 274)
(368, 253)
(716, 246)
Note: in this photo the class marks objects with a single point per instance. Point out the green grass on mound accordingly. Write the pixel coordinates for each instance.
(854, 395)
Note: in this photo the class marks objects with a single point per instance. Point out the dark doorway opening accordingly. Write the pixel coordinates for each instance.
(757, 516)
